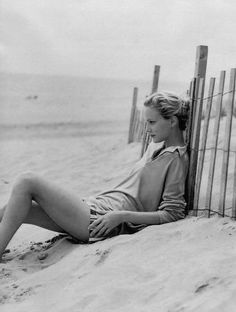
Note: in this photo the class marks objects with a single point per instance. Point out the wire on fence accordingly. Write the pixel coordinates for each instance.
(209, 97)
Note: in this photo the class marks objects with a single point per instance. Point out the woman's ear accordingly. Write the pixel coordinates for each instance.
(174, 121)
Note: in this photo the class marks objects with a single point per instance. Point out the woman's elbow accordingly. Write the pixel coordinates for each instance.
(176, 214)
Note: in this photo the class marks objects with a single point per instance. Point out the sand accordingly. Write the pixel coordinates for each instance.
(187, 265)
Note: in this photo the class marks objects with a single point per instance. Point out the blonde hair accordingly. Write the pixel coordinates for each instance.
(168, 105)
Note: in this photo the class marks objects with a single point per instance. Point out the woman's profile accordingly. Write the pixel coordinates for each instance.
(153, 192)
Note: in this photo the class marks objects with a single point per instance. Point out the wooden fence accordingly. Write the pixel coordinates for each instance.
(215, 169)
(211, 182)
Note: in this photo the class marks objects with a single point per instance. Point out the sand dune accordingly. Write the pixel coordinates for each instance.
(188, 265)
(185, 266)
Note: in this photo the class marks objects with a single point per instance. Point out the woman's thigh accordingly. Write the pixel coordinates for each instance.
(37, 216)
(64, 207)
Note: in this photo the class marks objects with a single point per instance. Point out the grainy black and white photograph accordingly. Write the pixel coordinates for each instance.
(117, 155)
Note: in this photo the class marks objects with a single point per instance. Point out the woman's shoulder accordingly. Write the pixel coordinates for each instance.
(174, 156)
(178, 159)
(173, 152)
(165, 154)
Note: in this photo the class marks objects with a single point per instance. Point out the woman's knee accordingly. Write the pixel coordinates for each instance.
(25, 181)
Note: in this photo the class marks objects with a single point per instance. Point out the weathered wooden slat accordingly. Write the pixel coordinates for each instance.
(156, 76)
(194, 144)
(190, 87)
(227, 139)
(132, 115)
(141, 126)
(136, 124)
(202, 149)
(198, 116)
(201, 61)
(215, 142)
(190, 119)
(234, 192)
(199, 72)
(188, 143)
(146, 138)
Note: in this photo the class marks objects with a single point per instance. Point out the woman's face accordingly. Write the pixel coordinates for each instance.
(158, 127)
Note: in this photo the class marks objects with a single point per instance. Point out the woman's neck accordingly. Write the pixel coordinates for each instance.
(176, 138)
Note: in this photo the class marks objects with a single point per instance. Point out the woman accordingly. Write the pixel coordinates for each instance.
(153, 192)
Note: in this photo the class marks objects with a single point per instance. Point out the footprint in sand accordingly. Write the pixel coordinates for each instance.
(16, 295)
(4, 274)
(103, 254)
(208, 284)
(37, 252)
(22, 293)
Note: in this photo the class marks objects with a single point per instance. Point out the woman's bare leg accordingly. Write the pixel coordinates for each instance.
(37, 216)
(66, 210)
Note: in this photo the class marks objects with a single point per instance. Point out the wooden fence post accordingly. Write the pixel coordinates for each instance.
(226, 150)
(199, 73)
(146, 137)
(234, 193)
(201, 61)
(132, 115)
(188, 131)
(194, 139)
(156, 76)
(203, 144)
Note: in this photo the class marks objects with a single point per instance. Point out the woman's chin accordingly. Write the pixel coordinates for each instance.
(155, 140)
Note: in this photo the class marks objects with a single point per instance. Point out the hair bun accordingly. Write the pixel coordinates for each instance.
(183, 113)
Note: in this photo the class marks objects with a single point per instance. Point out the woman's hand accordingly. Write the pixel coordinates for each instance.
(104, 224)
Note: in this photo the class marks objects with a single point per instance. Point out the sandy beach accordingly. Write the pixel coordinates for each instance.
(188, 265)
(71, 72)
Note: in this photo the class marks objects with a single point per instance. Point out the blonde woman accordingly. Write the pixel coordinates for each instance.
(153, 192)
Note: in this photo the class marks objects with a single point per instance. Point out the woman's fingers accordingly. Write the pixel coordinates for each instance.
(99, 227)
(95, 223)
(107, 231)
(96, 227)
(103, 212)
(101, 232)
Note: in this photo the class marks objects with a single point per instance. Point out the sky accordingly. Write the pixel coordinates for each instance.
(121, 39)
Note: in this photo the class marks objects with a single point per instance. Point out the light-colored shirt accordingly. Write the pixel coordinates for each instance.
(154, 184)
